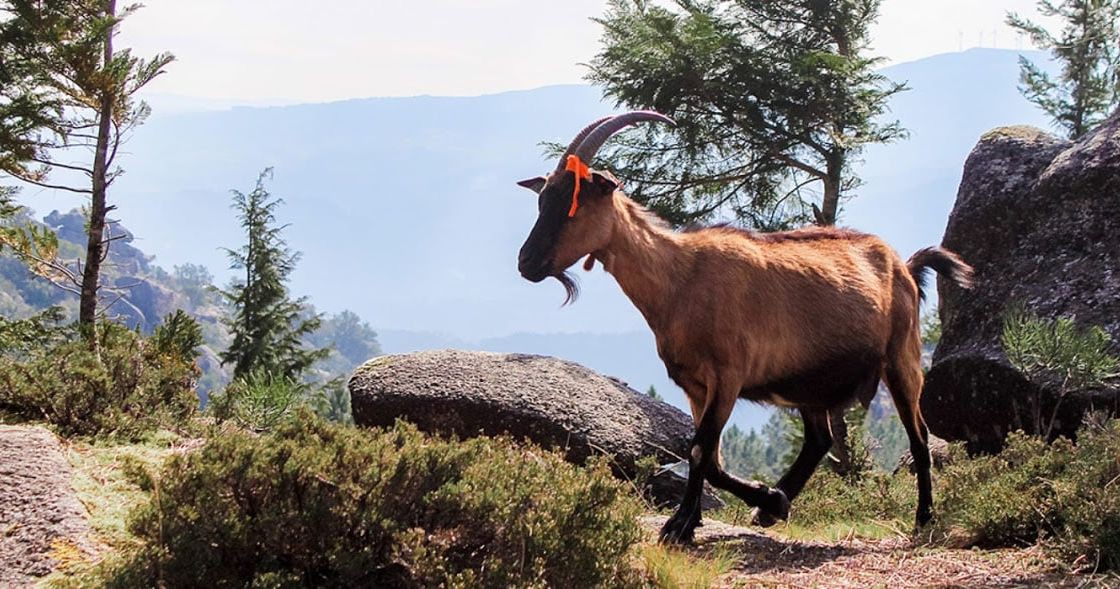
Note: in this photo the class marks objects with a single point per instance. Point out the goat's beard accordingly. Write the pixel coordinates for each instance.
(571, 286)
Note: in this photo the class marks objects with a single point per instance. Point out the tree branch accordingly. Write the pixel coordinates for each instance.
(51, 186)
(63, 166)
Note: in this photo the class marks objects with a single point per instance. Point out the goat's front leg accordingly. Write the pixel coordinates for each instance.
(817, 441)
(772, 501)
(703, 455)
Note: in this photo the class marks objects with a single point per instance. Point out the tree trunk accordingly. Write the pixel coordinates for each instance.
(95, 246)
(830, 202)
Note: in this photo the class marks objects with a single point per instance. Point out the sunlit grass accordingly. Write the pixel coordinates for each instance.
(104, 481)
(739, 514)
(841, 531)
(668, 567)
(103, 484)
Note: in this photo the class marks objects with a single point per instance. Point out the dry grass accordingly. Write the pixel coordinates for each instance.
(103, 484)
(667, 567)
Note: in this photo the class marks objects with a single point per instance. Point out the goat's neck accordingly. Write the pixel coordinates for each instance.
(645, 258)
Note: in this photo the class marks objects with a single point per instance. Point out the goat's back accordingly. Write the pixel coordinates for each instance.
(779, 304)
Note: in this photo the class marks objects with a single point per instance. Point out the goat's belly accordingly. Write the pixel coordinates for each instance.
(827, 385)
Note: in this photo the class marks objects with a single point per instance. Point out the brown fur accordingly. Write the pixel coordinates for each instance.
(807, 319)
(734, 312)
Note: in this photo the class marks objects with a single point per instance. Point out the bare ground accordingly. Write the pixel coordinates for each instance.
(765, 560)
(42, 523)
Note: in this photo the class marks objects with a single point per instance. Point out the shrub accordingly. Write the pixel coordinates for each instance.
(1064, 495)
(1059, 354)
(319, 504)
(258, 401)
(22, 337)
(830, 498)
(130, 386)
(332, 402)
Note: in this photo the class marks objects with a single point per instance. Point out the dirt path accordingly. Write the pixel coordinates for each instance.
(41, 520)
(767, 561)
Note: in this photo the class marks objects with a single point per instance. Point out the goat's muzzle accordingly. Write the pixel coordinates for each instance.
(533, 270)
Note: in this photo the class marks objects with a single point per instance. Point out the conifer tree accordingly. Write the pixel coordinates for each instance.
(1088, 50)
(68, 99)
(268, 326)
(774, 100)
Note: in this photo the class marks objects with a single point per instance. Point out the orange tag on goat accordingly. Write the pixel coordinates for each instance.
(582, 172)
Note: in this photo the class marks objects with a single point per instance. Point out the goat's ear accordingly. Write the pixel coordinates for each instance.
(604, 181)
(534, 184)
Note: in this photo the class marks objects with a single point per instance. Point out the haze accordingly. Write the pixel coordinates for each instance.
(280, 51)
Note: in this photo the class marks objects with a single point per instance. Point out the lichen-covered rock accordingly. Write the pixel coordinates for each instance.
(1038, 218)
(552, 402)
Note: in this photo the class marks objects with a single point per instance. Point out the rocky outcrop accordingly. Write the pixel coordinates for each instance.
(41, 518)
(126, 258)
(1039, 219)
(144, 304)
(552, 402)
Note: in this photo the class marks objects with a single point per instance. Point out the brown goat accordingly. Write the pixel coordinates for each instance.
(810, 319)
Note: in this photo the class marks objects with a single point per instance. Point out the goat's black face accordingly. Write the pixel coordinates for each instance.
(554, 200)
(558, 240)
(569, 228)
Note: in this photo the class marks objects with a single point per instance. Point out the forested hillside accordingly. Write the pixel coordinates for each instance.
(144, 294)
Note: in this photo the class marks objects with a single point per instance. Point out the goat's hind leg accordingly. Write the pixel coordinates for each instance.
(904, 379)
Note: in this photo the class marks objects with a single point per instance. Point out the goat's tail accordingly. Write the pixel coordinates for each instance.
(942, 261)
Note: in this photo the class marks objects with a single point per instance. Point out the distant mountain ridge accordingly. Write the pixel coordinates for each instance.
(406, 211)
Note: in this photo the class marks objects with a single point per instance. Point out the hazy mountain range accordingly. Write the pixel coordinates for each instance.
(406, 211)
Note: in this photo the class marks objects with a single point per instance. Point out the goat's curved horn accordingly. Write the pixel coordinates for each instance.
(599, 136)
(579, 139)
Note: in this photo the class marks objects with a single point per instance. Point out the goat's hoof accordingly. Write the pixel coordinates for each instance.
(680, 529)
(777, 509)
(763, 519)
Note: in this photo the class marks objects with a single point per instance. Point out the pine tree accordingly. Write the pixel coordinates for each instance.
(71, 98)
(774, 101)
(268, 327)
(1088, 51)
(27, 112)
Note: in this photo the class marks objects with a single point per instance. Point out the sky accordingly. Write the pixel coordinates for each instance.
(282, 51)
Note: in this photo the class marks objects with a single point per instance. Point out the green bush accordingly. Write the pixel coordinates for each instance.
(1058, 354)
(319, 504)
(1064, 495)
(875, 504)
(22, 337)
(830, 498)
(130, 386)
(258, 401)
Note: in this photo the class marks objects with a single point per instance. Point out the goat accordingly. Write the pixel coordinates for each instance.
(810, 319)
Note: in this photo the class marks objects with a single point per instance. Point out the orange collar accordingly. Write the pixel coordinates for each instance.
(582, 172)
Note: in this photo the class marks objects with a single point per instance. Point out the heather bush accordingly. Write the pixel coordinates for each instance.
(1064, 495)
(129, 386)
(319, 504)
(20, 338)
